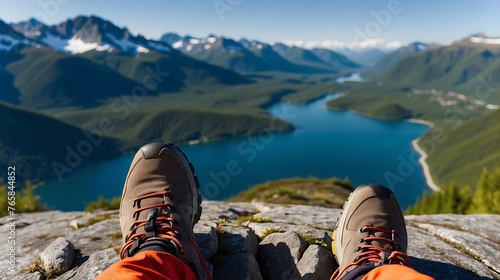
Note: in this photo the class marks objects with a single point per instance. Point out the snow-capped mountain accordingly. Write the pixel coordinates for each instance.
(246, 55)
(189, 44)
(219, 51)
(83, 34)
(9, 39)
(483, 39)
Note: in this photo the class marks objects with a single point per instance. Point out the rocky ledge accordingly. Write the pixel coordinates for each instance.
(248, 241)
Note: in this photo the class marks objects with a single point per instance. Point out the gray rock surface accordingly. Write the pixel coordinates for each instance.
(239, 266)
(240, 239)
(443, 246)
(206, 238)
(58, 256)
(279, 254)
(95, 265)
(317, 263)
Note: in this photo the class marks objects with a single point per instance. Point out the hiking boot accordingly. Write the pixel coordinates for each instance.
(160, 205)
(371, 229)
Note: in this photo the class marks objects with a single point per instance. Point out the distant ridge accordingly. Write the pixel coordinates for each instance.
(250, 56)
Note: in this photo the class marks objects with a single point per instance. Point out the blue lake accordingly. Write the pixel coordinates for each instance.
(324, 144)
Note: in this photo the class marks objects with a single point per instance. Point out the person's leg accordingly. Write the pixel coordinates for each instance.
(370, 239)
(395, 272)
(160, 205)
(149, 265)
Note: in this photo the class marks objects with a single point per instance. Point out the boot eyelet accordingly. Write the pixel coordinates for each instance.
(361, 230)
(361, 240)
(357, 249)
(133, 204)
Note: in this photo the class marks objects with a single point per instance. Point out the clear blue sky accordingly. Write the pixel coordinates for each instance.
(277, 20)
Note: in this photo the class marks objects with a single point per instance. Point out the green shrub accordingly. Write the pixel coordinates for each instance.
(104, 204)
(26, 201)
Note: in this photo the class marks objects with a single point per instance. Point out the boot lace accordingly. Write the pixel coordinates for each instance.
(152, 231)
(372, 253)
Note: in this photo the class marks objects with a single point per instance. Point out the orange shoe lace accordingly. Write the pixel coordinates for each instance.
(163, 232)
(376, 254)
(166, 232)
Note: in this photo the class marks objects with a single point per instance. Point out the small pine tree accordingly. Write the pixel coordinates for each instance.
(481, 202)
(451, 198)
(465, 200)
(495, 191)
(496, 202)
(436, 202)
(410, 210)
(425, 205)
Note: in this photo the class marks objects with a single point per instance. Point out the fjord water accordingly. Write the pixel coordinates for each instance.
(324, 144)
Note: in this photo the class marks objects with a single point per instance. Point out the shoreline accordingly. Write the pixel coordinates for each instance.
(423, 155)
(425, 167)
(427, 123)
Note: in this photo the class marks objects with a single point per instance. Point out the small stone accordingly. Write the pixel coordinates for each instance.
(279, 253)
(239, 266)
(75, 224)
(316, 263)
(58, 256)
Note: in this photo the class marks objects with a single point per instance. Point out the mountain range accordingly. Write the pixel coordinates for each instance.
(463, 66)
(83, 64)
(47, 66)
(251, 56)
(392, 58)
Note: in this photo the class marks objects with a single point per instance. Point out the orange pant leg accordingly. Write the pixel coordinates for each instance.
(395, 272)
(148, 265)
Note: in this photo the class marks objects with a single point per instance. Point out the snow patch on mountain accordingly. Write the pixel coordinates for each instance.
(55, 42)
(492, 41)
(211, 40)
(178, 44)
(194, 41)
(141, 49)
(123, 43)
(77, 45)
(158, 46)
(7, 42)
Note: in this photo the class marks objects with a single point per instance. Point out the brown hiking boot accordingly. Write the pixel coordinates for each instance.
(371, 229)
(160, 205)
